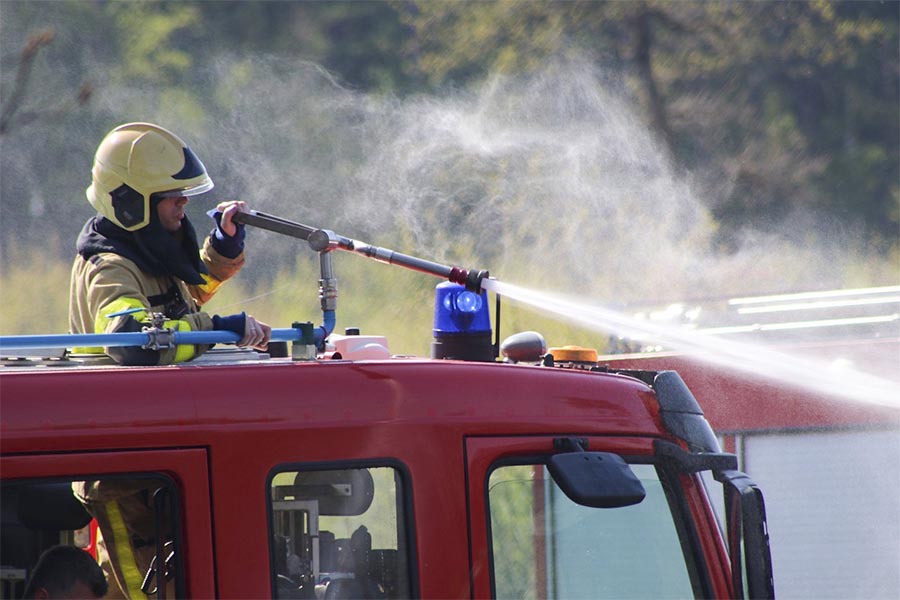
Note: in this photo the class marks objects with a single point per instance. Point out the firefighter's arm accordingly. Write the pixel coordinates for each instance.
(112, 288)
(223, 250)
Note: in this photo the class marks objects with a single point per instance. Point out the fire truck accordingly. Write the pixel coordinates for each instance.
(330, 468)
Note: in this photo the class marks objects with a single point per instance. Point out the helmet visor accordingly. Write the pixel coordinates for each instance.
(184, 192)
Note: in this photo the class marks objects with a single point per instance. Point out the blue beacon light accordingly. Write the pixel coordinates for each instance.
(462, 324)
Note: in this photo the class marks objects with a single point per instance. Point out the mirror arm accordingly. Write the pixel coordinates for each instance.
(688, 462)
(570, 444)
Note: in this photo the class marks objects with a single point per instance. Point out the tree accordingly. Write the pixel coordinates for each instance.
(358, 41)
(779, 107)
(14, 110)
(797, 103)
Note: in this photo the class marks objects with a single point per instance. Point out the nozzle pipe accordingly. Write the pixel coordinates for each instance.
(324, 240)
(467, 277)
(273, 223)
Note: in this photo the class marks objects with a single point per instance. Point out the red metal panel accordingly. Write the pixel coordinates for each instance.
(438, 484)
(718, 563)
(91, 409)
(254, 417)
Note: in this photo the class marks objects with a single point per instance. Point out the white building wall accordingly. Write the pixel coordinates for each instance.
(833, 504)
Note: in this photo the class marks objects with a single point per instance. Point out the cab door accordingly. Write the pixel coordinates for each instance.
(34, 494)
(528, 539)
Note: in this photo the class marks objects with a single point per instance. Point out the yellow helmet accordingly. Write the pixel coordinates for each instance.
(135, 161)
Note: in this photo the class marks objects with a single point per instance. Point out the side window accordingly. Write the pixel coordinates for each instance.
(125, 524)
(546, 546)
(339, 533)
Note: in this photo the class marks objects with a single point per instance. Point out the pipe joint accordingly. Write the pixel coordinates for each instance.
(323, 240)
(328, 294)
(469, 278)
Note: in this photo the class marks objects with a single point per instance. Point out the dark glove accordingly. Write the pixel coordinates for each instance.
(227, 245)
(236, 323)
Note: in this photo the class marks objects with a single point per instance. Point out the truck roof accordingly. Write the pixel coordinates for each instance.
(67, 408)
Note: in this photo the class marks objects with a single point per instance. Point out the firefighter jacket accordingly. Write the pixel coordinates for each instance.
(153, 272)
(126, 512)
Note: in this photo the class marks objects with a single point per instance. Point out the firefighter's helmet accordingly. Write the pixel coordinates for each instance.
(135, 161)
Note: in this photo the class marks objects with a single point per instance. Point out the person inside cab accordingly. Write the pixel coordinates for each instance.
(66, 572)
(139, 256)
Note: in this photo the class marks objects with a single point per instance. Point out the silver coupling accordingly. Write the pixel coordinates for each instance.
(161, 338)
(328, 293)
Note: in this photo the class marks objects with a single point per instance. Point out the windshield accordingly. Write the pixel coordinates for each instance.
(546, 546)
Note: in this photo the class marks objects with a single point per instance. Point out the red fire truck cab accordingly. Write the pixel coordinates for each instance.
(384, 478)
(341, 471)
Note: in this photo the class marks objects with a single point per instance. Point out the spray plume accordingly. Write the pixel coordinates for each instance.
(750, 358)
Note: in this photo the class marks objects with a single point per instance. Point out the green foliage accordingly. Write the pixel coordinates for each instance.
(458, 43)
(511, 498)
(358, 41)
(773, 99)
(149, 34)
(33, 294)
(774, 109)
(791, 105)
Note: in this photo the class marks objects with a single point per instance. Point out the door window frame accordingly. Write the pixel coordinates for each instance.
(485, 454)
(186, 467)
(407, 527)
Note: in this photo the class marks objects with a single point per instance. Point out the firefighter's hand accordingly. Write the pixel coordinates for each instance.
(228, 210)
(256, 334)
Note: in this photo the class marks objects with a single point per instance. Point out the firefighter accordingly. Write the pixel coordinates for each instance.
(139, 256)
(139, 264)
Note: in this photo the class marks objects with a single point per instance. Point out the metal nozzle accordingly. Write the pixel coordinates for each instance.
(469, 278)
(324, 241)
(328, 293)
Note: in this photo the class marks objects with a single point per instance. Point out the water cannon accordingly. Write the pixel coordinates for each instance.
(325, 241)
(462, 324)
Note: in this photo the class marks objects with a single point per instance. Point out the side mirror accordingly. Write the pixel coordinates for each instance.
(596, 479)
(748, 536)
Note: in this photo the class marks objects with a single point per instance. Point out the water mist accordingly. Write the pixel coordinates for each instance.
(751, 358)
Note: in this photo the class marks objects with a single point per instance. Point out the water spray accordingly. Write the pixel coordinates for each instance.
(758, 360)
